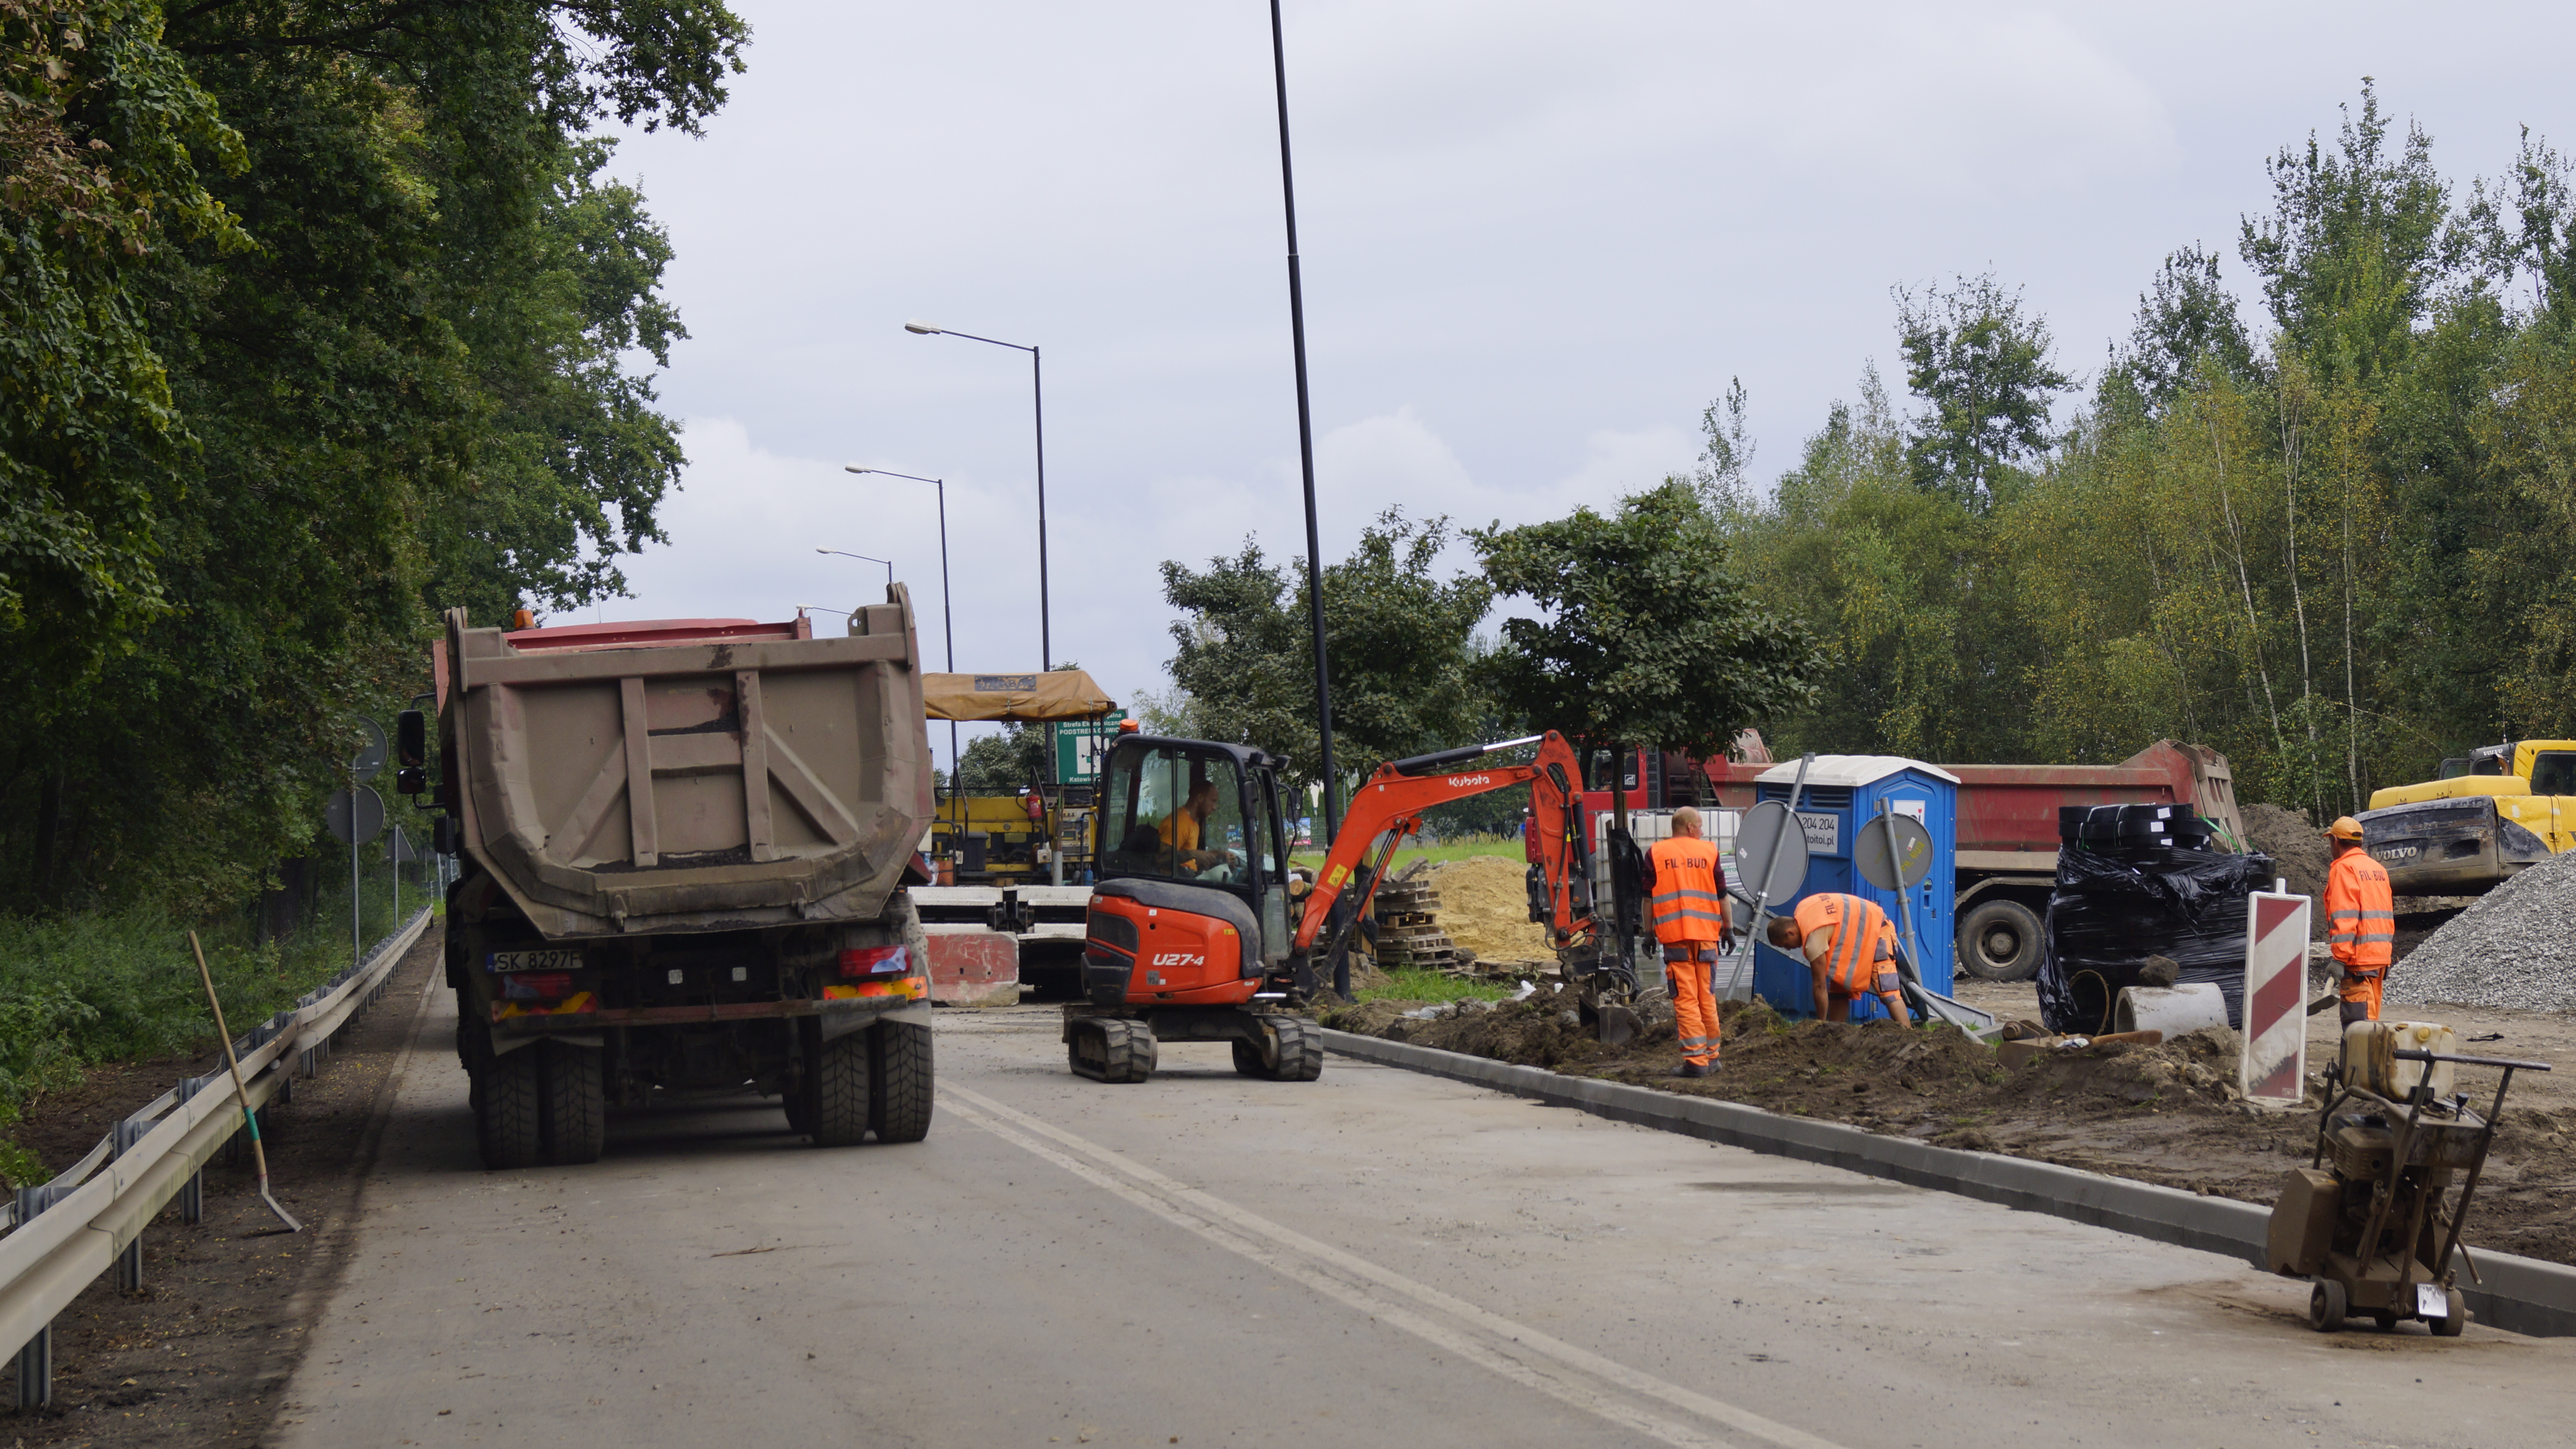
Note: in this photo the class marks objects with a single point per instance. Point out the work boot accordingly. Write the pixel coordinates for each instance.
(1692, 1069)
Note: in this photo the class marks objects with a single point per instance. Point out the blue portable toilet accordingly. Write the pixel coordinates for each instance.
(1843, 794)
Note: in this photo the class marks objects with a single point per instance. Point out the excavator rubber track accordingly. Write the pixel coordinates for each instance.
(1109, 1049)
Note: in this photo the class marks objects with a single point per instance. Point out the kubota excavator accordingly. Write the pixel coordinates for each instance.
(1190, 935)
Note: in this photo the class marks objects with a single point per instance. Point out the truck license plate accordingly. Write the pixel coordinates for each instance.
(534, 961)
(2431, 1301)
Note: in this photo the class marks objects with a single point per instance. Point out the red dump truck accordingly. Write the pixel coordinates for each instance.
(687, 849)
(2007, 850)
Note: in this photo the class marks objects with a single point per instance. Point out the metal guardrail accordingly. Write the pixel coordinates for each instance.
(90, 1218)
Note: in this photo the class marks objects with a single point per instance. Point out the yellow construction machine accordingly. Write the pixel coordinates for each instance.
(2489, 814)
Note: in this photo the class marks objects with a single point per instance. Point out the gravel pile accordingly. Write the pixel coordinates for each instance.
(2515, 948)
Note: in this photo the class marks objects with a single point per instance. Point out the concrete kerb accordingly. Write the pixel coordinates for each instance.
(2523, 1295)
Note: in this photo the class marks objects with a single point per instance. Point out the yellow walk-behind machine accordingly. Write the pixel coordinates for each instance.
(2372, 1222)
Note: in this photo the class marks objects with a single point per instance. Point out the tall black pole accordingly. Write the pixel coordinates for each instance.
(1037, 393)
(1306, 462)
(948, 636)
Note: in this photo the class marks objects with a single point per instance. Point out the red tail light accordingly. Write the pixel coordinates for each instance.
(877, 961)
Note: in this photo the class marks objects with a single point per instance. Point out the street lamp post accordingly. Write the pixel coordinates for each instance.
(1306, 460)
(947, 619)
(1037, 394)
(865, 558)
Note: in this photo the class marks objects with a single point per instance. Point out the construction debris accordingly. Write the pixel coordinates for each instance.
(2515, 948)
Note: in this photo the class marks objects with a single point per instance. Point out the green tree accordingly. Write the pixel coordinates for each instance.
(2184, 316)
(1984, 369)
(1645, 636)
(1399, 639)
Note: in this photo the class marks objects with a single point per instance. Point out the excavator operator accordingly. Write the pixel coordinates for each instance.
(1689, 905)
(1182, 830)
(1850, 947)
(2361, 921)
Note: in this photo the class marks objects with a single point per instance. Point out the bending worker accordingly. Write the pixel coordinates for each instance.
(2361, 920)
(1689, 906)
(1850, 947)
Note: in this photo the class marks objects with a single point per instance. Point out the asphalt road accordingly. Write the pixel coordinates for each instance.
(1375, 1258)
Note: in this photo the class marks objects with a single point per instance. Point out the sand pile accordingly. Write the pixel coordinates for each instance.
(2515, 948)
(1484, 906)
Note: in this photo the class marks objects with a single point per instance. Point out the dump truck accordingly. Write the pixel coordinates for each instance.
(2489, 815)
(687, 849)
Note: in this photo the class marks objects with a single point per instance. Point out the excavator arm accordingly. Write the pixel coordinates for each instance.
(1389, 805)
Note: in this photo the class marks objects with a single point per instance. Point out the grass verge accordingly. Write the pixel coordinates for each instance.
(1413, 985)
(82, 989)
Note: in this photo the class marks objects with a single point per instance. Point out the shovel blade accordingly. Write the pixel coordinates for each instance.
(1615, 1026)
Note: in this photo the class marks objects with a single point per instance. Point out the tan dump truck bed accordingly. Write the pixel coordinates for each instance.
(688, 775)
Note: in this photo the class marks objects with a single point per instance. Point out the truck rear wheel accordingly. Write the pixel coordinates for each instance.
(902, 1099)
(507, 1121)
(836, 1087)
(1999, 941)
(573, 1108)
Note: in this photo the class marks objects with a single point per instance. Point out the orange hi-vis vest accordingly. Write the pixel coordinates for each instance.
(1689, 902)
(2361, 914)
(1862, 959)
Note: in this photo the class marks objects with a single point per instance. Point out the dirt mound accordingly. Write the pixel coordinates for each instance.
(1484, 906)
(2298, 851)
(2512, 948)
(2165, 1114)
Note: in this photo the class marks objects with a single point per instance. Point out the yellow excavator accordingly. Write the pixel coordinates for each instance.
(2488, 815)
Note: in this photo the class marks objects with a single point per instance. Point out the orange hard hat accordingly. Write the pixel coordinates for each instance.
(2344, 828)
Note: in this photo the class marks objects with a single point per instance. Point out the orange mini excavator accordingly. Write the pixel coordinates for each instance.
(1190, 935)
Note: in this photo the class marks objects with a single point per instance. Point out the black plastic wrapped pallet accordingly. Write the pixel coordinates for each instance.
(2113, 910)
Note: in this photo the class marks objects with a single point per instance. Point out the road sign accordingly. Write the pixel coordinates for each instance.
(1755, 836)
(357, 816)
(1913, 848)
(402, 850)
(1079, 744)
(371, 751)
(2272, 1069)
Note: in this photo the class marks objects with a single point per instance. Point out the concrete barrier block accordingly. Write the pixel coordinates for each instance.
(972, 966)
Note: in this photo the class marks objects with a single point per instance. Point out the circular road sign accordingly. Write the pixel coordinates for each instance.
(1913, 852)
(1765, 826)
(356, 816)
(371, 750)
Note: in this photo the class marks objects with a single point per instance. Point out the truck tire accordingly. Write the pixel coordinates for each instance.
(836, 1084)
(507, 1126)
(572, 1117)
(1999, 941)
(900, 1105)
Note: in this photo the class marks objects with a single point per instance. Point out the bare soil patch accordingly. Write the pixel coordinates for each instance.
(200, 1354)
(2165, 1114)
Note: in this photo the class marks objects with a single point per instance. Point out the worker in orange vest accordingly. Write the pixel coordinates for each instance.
(1688, 906)
(1851, 948)
(2361, 920)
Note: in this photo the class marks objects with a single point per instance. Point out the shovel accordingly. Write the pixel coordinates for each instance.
(1980, 1025)
(250, 1119)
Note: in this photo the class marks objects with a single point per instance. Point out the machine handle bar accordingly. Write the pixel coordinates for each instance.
(2411, 1055)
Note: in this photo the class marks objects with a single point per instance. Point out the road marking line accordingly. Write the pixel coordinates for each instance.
(1281, 1249)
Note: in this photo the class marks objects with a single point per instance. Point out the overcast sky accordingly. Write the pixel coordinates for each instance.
(1538, 239)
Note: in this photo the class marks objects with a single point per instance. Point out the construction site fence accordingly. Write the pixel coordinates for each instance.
(63, 1235)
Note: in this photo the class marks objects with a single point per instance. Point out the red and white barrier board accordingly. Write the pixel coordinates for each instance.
(2273, 1069)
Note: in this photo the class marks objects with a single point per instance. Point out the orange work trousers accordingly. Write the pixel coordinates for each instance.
(1687, 967)
(2361, 996)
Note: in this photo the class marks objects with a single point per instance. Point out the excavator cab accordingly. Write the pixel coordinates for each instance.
(1189, 931)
